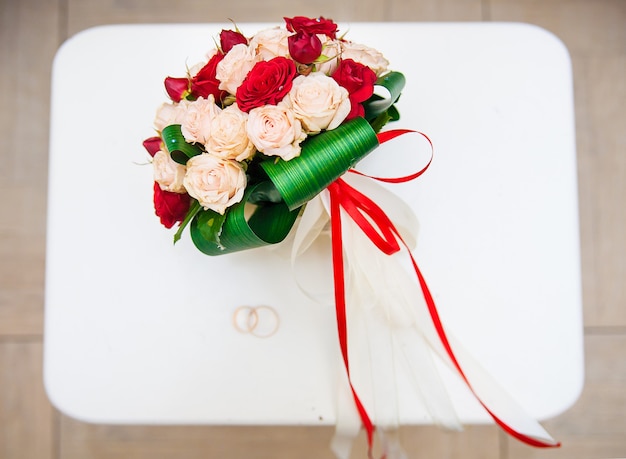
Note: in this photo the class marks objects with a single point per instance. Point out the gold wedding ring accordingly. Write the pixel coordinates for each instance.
(260, 321)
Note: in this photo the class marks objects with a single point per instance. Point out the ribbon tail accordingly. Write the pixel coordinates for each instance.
(509, 416)
(347, 422)
(382, 292)
(340, 304)
(310, 251)
(390, 442)
(427, 383)
(381, 231)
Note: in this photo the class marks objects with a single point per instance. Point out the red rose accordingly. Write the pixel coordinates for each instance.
(312, 26)
(304, 47)
(359, 80)
(177, 88)
(170, 207)
(266, 84)
(230, 38)
(205, 82)
(152, 144)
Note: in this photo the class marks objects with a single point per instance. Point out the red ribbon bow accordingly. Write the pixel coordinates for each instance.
(379, 228)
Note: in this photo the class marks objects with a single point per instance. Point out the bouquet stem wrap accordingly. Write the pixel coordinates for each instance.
(324, 159)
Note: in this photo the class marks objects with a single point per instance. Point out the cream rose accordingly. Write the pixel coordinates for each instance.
(229, 138)
(331, 49)
(168, 173)
(168, 114)
(365, 55)
(196, 123)
(318, 102)
(275, 131)
(270, 43)
(215, 182)
(234, 68)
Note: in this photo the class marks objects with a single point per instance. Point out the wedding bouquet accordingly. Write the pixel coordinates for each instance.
(259, 140)
(235, 122)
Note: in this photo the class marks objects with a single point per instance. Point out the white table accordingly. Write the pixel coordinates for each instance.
(140, 331)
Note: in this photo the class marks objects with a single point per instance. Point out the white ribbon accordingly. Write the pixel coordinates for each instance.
(390, 330)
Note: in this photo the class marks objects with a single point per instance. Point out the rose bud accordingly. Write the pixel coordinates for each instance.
(359, 80)
(314, 26)
(205, 82)
(305, 47)
(177, 88)
(152, 144)
(170, 207)
(230, 38)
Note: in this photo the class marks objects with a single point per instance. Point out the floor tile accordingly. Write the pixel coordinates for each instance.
(81, 441)
(595, 427)
(435, 10)
(602, 188)
(29, 35)
(88, 13)
(26, 416)
(586, 27)
(428, 442)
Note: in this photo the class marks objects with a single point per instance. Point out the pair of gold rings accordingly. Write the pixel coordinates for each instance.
(259, 321)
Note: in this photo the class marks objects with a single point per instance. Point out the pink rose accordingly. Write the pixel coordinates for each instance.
(215, 182)
(229, 137)
(275, 131)
(318, 102)
(365, 55)
(270, 43)
(168, 114)
(234, 68)
(331, 50)
(196, 123)
(168, 173)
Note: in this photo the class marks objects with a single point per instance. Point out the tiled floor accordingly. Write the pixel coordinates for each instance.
(31, 31)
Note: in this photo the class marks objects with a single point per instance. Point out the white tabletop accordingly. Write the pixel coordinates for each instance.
(139, 330)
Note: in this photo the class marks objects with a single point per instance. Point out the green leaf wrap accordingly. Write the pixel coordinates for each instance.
(215, 234)
(180, 150)
(394, 83)
(324, 158)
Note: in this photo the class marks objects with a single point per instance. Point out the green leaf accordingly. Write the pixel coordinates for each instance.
(379, 122)
(180, 150)
(265, 192)
(193, 210)
(209, 224)
(323, 159)
(394, 114)
(394, 83)
(215, 234)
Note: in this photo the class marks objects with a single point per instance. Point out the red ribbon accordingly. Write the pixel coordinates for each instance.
(379, 228)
